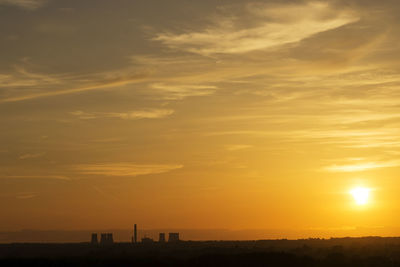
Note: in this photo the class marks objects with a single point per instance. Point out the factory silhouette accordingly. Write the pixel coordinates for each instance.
(108, 239)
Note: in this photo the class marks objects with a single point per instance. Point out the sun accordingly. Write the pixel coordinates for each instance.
(360, 195)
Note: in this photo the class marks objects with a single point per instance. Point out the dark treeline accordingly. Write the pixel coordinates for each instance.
(371, 251)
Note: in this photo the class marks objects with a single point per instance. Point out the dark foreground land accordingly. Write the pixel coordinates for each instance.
(369, 251)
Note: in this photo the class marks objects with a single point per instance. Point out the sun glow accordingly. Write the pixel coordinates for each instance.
(360, 195)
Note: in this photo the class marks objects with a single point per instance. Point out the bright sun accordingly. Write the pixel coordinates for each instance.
(360, 195)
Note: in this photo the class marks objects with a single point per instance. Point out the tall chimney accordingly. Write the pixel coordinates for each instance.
(135, 234)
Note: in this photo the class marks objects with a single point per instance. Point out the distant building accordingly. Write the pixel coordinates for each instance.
(106, 239)
(103, 239)
(173, 237)
(146, 240)
(161, 238)
(94, 240)
(110, 238)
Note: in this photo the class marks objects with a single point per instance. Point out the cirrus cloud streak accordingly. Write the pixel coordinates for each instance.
(224, 37)
(124, 169)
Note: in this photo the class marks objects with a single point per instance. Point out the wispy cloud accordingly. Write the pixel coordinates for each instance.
(131, 115)
(31, 155)
(124, 169)
(237, 147)
(27, 4)
(103, 193)
(277, 25)
(55, 177)
(180, 91)
(20, 195)
(27, 195)
(38, 85)
(20, 77)
(359, 167)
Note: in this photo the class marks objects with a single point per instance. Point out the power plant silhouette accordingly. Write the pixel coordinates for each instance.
(108, 239)
(105, 239)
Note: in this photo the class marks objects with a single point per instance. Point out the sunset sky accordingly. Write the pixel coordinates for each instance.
(208, 114)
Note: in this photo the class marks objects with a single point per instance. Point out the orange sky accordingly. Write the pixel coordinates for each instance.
(199, 114)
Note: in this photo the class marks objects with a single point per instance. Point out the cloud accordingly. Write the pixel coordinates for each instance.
(124, 169)
(103, 193)
(22, 77)
(38, 85)
(109, 140)
(27, 4)
(31, 156)
(132, 115)
(26, 195)
(21, 195)
(83, 115)
(55, 177)
(277, 25)
(180, 91)
(359, 167)
(237, 147)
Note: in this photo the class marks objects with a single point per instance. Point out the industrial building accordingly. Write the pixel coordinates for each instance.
(106, 239)
(173, 237)
(94, 240)
(161, 238)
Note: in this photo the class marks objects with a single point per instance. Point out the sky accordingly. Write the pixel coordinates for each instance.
(200, 115)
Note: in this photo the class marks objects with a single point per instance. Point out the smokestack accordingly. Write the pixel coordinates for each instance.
(95, 240)
(135, 233)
